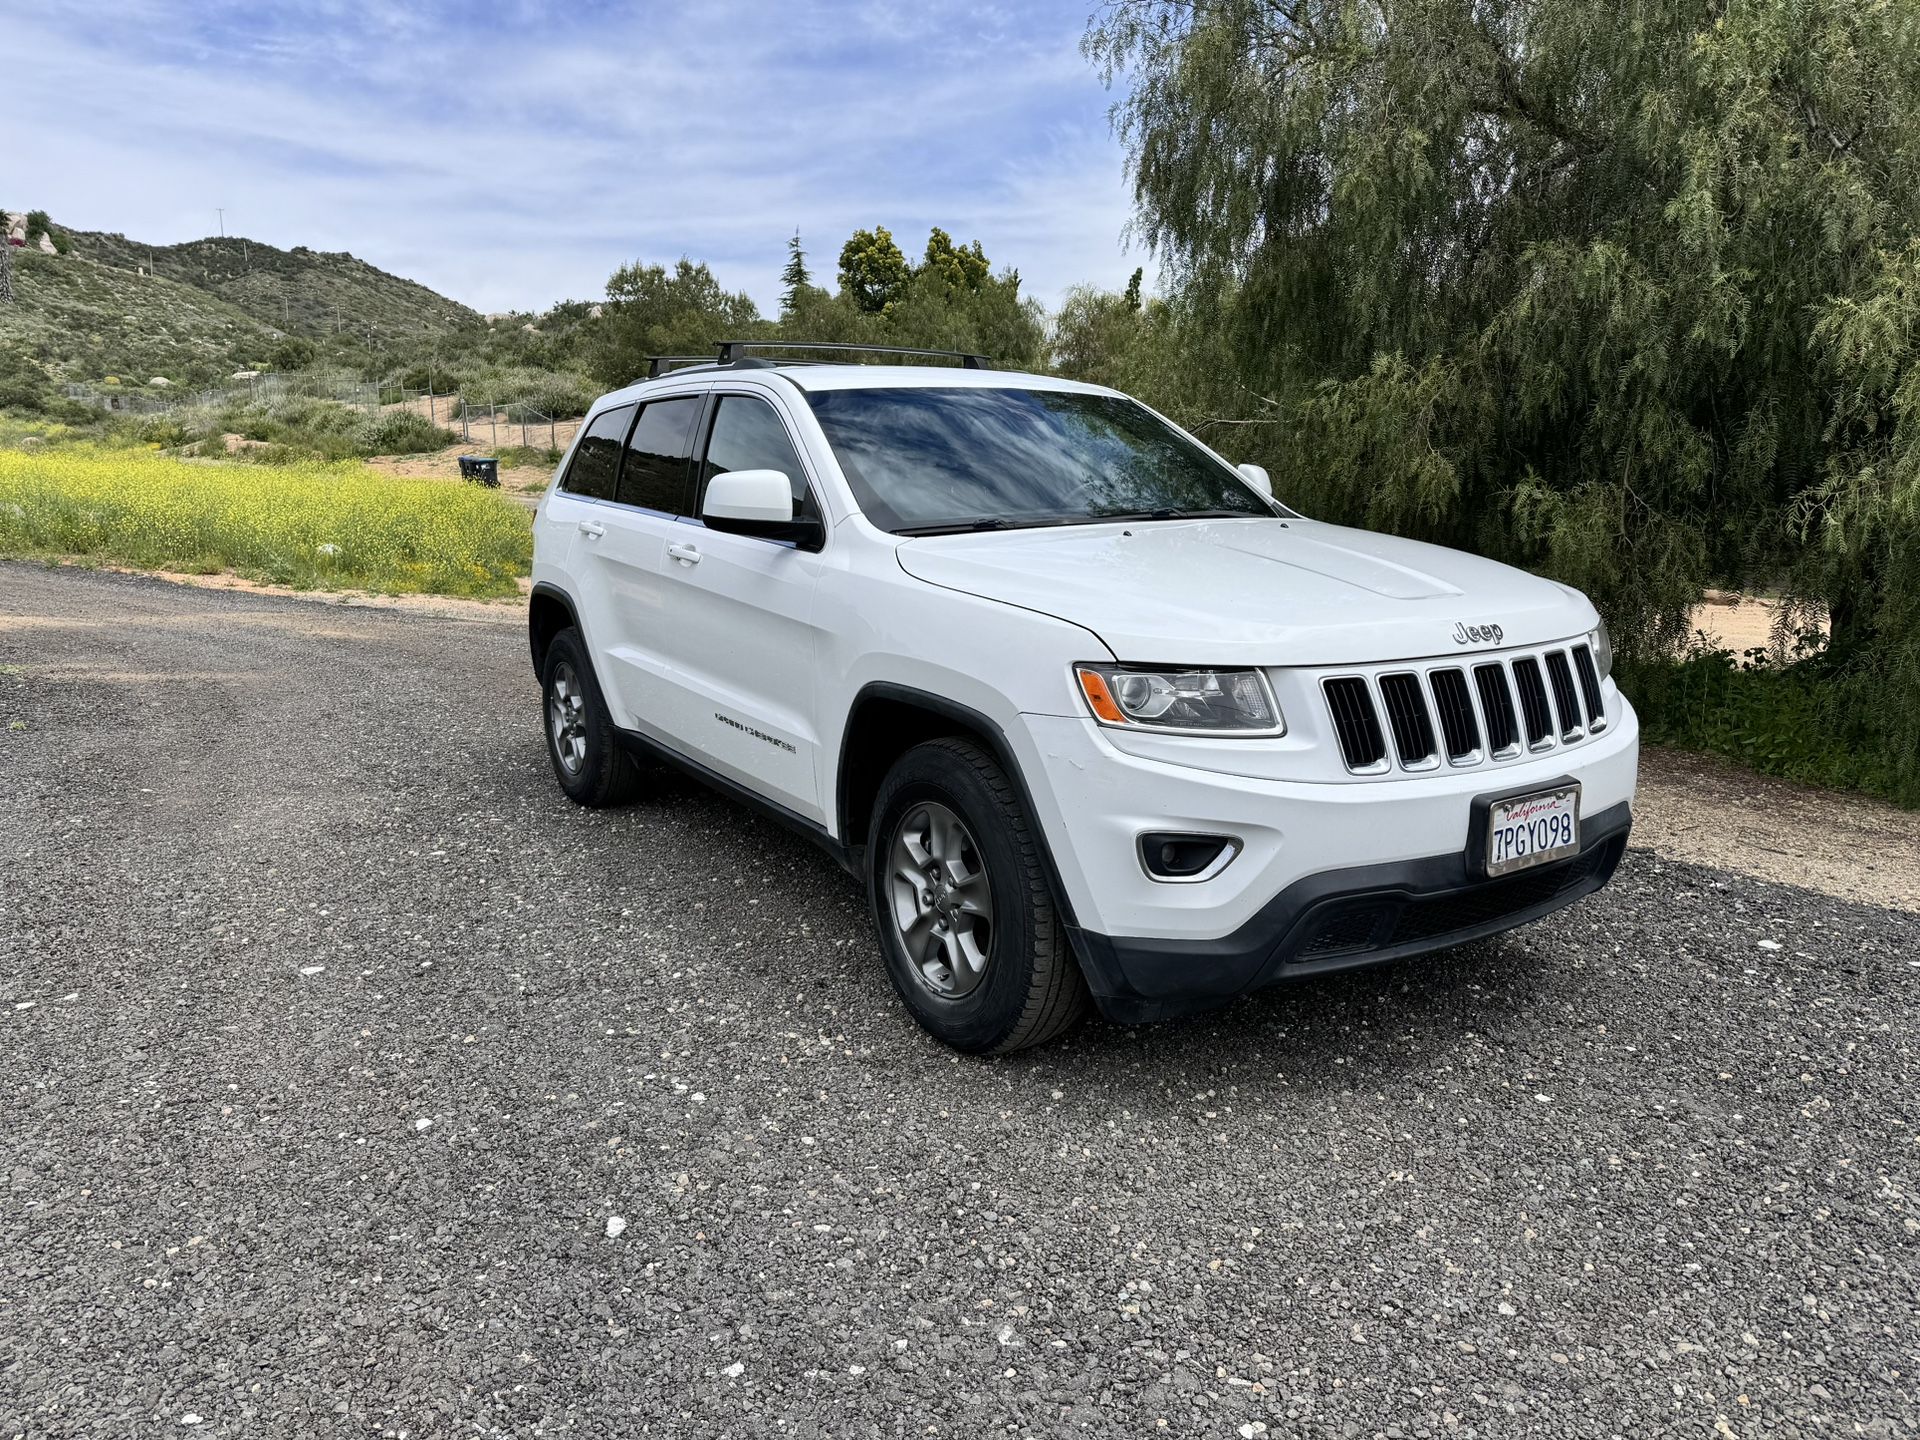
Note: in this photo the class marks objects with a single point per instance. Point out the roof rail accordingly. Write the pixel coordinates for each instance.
(734, 352)
(658, 365)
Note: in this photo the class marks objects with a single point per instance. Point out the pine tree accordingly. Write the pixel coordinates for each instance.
(795, 279)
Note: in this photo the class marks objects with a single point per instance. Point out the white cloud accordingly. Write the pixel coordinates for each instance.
(514, 159)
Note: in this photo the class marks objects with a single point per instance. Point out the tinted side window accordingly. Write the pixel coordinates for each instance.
(748, 435)
(656, 470)
(596, 460)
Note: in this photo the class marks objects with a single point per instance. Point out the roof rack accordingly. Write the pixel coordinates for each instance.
(658, 365)
(734, 352)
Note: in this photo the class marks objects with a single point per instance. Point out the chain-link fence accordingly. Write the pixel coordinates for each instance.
(518, 423)
(510, 422)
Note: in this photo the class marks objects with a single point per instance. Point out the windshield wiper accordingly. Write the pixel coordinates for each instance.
(1166, 512)
(959, 527)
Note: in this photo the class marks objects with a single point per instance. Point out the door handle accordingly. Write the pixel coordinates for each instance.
(592, 529)
(685, 554)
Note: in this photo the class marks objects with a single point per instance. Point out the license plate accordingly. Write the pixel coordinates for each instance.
(1530, 830)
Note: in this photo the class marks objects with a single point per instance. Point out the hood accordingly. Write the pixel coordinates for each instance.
(1254, 591)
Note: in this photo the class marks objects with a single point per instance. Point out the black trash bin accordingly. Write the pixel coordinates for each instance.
(481, 469)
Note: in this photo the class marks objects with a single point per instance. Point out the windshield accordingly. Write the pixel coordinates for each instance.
(930, 461)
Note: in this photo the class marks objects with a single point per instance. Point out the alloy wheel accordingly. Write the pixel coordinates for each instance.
(940, 899)
(567, 718)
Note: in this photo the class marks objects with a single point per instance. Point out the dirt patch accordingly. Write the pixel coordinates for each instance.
(503, 611)
(1704, 809)
(524, 483)
(1741, 622)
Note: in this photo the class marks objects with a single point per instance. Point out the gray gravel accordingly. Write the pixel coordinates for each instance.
(332, 1039)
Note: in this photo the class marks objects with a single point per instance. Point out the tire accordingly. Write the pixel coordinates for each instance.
(1016, 983)
(589, 762)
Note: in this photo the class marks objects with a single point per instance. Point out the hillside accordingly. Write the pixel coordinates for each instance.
(311, 293)
(198, 311)
(79, 320)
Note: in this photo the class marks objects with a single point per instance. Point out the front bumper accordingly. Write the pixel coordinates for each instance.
(1338, 919)
(1330, 876)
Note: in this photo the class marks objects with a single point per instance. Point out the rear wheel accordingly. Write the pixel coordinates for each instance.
(593, 768)
(972, 939)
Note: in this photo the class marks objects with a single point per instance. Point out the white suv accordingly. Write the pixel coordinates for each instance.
(1089, 713)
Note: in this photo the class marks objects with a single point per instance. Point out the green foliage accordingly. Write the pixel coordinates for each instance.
(23, 384)
(400, 432)
(40, 223)
(795, 278)
(873, 272)
(651, 311)
(959, 267)
(1627, 297)
(1813, 718)
(292, 352)
(322, 526)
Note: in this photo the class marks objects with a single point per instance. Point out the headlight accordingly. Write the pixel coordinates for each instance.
(1602, 645)
(1201, 702)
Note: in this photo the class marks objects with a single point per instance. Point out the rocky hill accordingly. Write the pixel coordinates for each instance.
(194, 312)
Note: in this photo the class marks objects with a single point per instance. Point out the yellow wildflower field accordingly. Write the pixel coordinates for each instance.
(318, 526)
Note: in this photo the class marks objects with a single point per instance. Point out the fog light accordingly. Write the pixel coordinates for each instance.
(1170, 855)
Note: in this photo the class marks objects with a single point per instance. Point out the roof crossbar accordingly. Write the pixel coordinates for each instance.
(734, 352)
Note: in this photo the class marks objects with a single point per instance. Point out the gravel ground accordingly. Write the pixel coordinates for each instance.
(336, 1047)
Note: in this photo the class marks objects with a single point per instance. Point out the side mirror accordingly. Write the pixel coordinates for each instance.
(759, 503)
(1256, 476)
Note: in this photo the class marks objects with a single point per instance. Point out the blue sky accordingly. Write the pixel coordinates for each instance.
(511, 155)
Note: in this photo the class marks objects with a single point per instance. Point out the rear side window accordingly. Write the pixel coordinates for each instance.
(748, 434)
(596, 459)
(655, 475)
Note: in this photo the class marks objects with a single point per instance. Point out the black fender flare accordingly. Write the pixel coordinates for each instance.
(993, 736)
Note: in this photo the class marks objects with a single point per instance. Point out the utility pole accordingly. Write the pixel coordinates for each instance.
(223, 221)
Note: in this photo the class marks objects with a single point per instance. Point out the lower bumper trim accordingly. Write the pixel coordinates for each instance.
(1339, 919)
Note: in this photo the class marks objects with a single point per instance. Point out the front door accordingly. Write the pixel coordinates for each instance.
(740, 657)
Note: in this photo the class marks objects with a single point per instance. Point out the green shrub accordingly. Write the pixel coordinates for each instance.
(400, 432)
(1813, 717)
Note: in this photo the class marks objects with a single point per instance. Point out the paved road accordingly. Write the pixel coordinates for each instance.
(331, 1040)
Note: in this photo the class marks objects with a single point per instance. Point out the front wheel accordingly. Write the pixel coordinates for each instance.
(588, 759)
(972, 939)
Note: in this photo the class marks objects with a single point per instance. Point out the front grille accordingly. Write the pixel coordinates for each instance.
(1533, 699)
(1564, 700)
(1407, 717)
(1590, 687)
(1361, 742)
(1453, 702)
(1512, 705)
(1449, 914)
(1348, 930)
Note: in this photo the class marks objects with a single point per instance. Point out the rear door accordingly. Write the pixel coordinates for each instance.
(575, 519)
(654, 487)
(740, 657)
